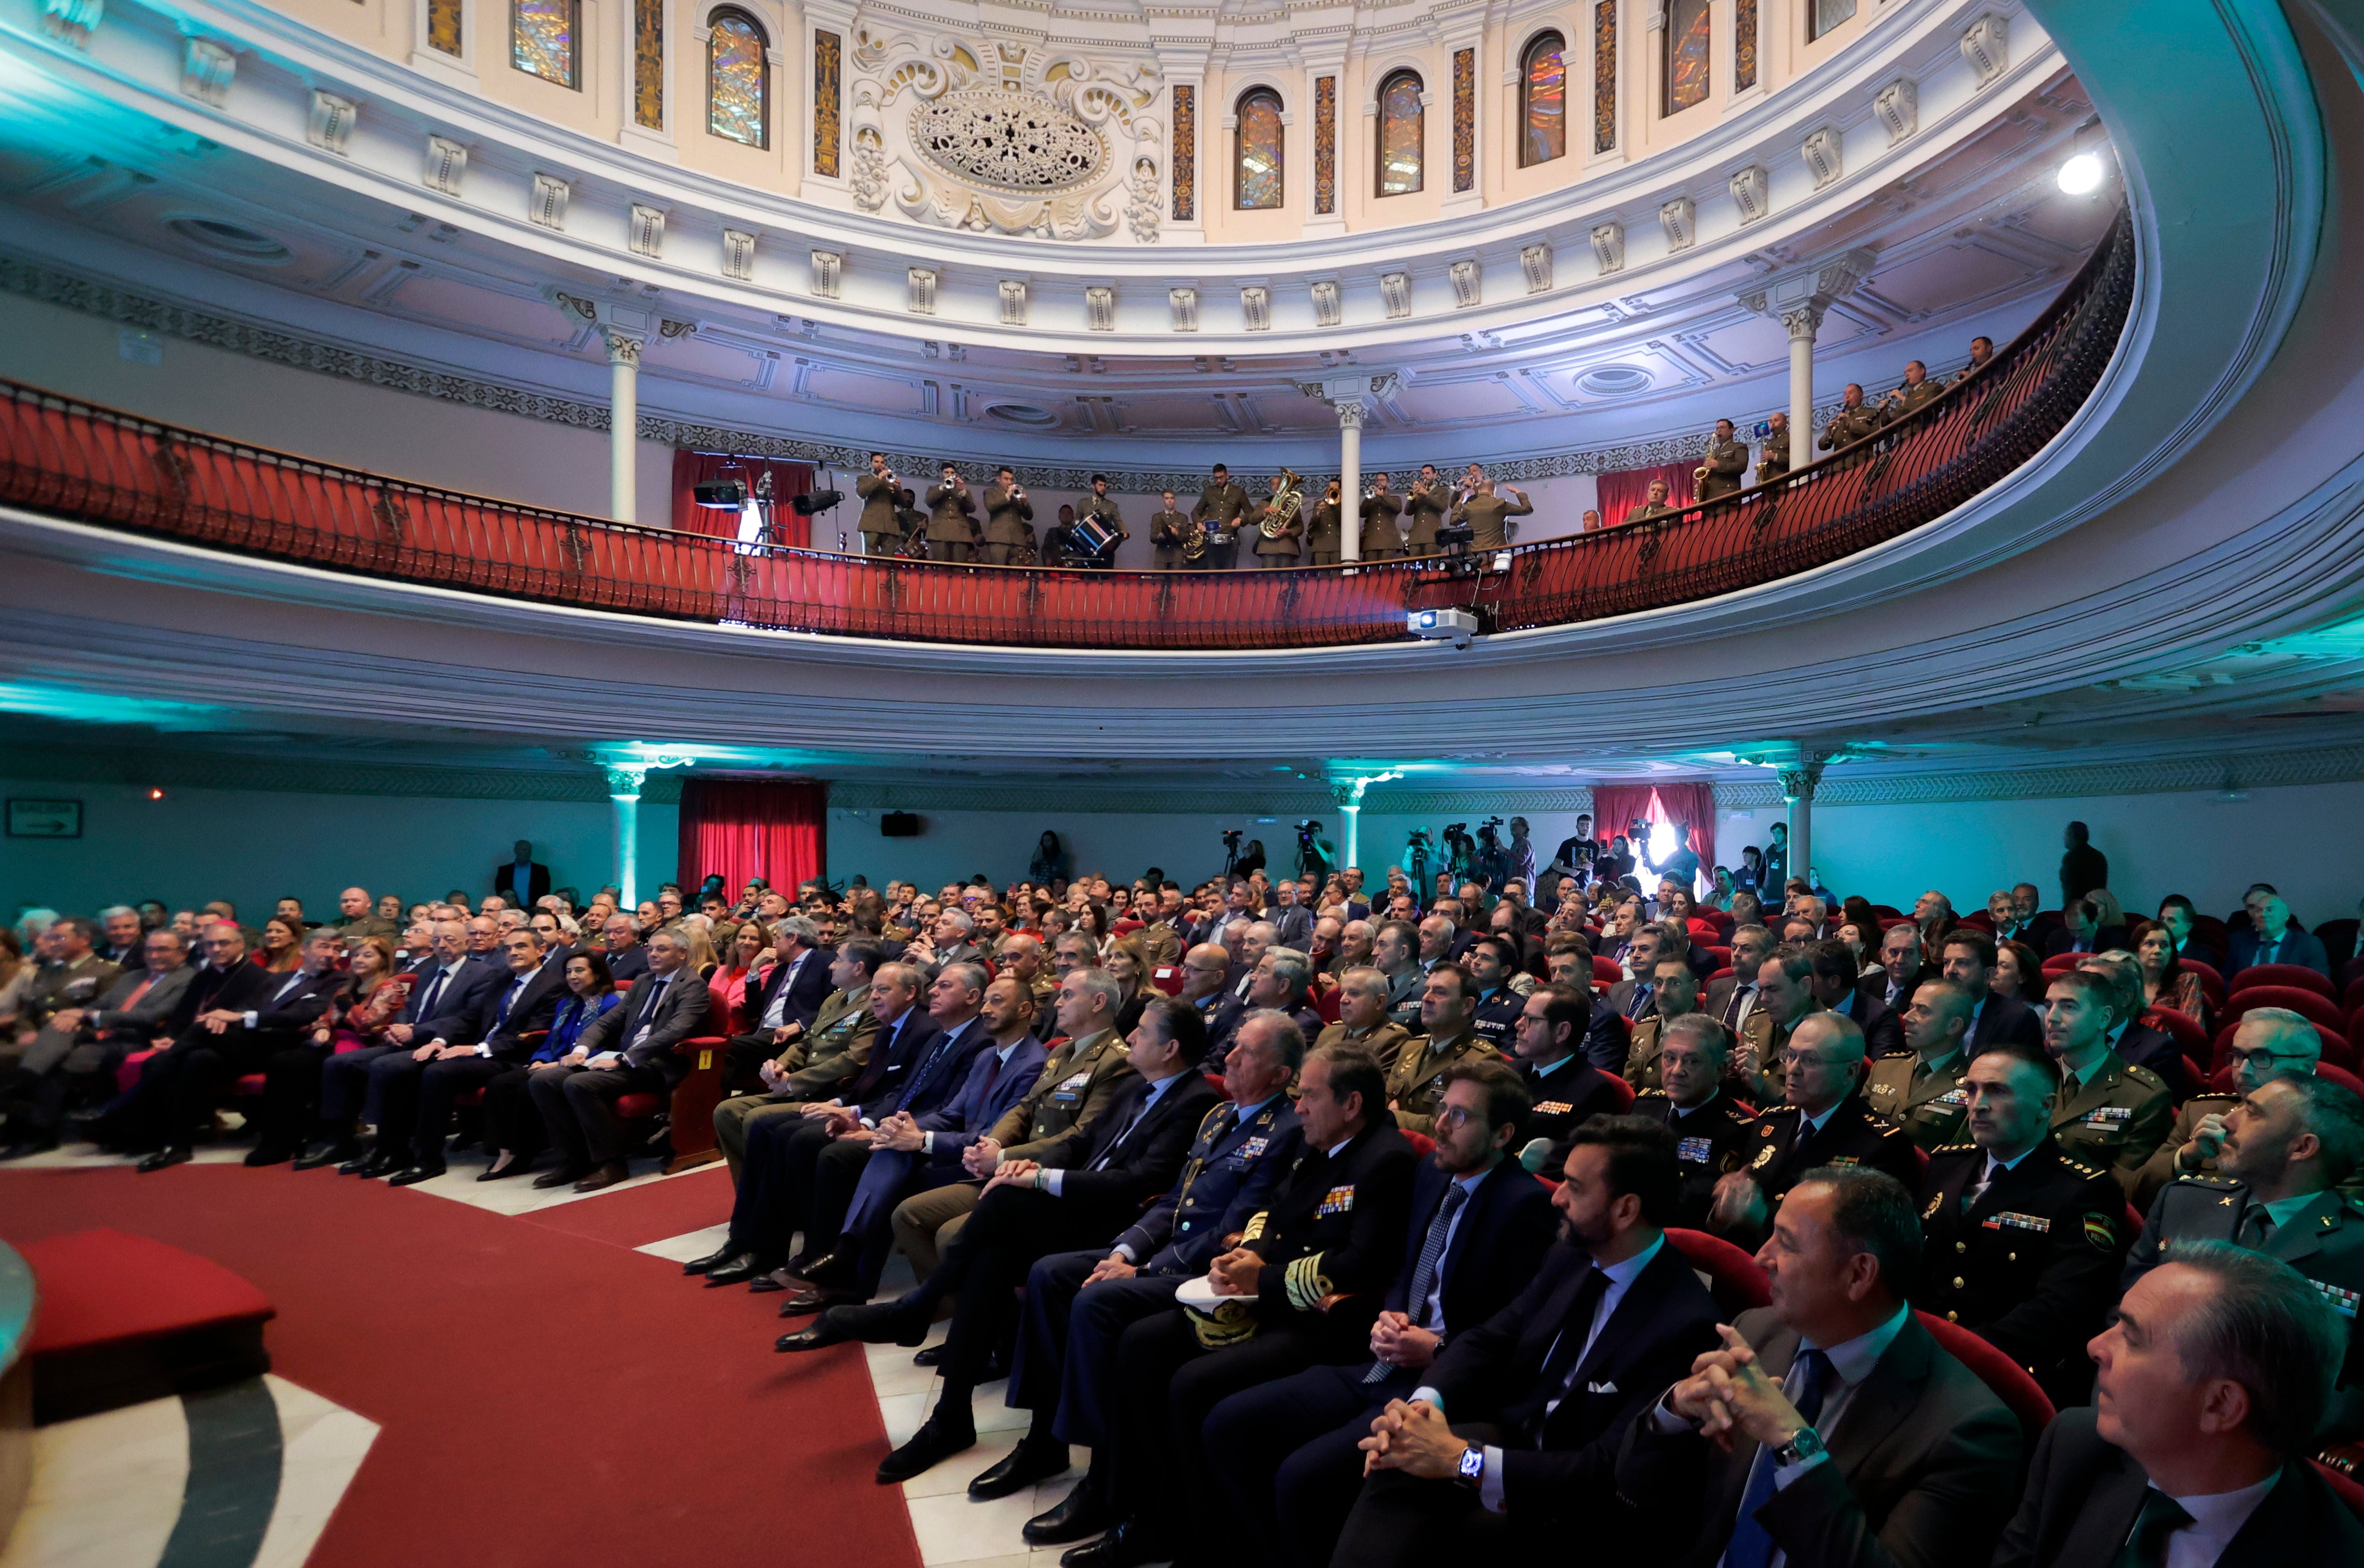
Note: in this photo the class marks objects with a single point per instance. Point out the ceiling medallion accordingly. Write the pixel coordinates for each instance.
(1007, 140)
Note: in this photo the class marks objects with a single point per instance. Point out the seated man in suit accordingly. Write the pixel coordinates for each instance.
(2081, 930)
(1970, 963)
(1903, 967)
(1840, 988)
(2212, 1382)
(797, 984)
(1506, 1448)
(2137, 1043)
(2273, 938)
(1479, 1227)
(76, 1052)
(444, 995)
(489, 1043)
(1829, 1427)
(627, 1050)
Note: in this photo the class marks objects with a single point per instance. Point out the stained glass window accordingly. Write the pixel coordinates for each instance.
(1403, 127)
(648, 63)
(1542, 108)
(443, 21)
(1688, 47)
(541, 37)
(1604, 76)
(737, 80)
(1259, 151)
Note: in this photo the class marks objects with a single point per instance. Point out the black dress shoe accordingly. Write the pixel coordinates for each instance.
(264, 1154)
(1085, 1512)
(357, 1164)
(412, 1175)
(336, 1154)
(383, 1164)
(828, 1268)
(1128, 1545)
(741, 1268)
(714, 1260)
(819, 1336)
(164, 1157)
(764, 1284)
(932, 1356)
(935, 1442)
(564, 1176)
(1031, 1461)
(806, 1302)
(888, 1323)
(516, 1167)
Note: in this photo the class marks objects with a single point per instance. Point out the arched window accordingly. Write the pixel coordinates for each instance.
(542, 35)
(739, 80)
(1403, 127)
(1542, 100)
(1689, 46)
(1257, 150)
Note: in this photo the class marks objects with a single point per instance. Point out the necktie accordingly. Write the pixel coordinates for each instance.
(1109, 1153)
(1423, 1273)
(1978, 1189)
(1641, 1000)
(1751, 1545)
(1566, 1356)
(426, 1008)
(2145, 1545)
(2256, 1226)
(509, 1000)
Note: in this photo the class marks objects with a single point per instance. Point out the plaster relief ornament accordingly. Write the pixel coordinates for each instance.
(1005, 137)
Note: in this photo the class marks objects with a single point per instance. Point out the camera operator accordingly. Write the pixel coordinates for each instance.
(1315, 854)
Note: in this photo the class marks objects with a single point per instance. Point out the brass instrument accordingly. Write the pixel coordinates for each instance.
(1288, 500)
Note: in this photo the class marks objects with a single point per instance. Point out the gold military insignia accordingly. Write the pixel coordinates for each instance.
(1930, 1212)
(1764, 1158)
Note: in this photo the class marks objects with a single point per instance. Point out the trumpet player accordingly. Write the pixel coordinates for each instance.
(1221, 505)
(1851, 424)
(1773, 459)
(1488, 515)
(1655, 506)
(1006, 514)
(882, 534)
(1424, 511)
(1167, 535)
(1726, 468)
(1280, 522)
(1381, 538)
(1324, 542)
(952, 517)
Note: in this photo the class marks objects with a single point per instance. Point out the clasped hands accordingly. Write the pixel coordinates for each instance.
(1731, 1398)
(899, 1132)
(1395, 1341)
(979, 1159)
(1411, 1436)
(1234, 1273)
(1011, 1173)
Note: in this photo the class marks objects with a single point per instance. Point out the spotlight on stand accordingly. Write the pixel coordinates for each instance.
(720, 494)
(806, 504)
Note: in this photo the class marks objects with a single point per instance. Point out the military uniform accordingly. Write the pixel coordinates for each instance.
(368, 926)
(1165, 539)
(1424, 513)
(1649, 509)
(1220, 508)
(2031, 1265)
(1852, 1136)
(1566, 1094)
(882, 533)
(1847, 426)
(1403, 998)
(2324, 1240)
(1930, 1105)
(1007, 540)
(57, 986)
(1773, 461)
(1727, 470)
(952, 522)
(2161, 1168)
(1323, 542)
(1281, 551)
(1711, 1142)
(1231, 1163)
(1386, 1042)
(1105, 510)
(1642, 1052)
(835, 1048)
(1497, 1021)
(1487, 516)
(1381, 538)
(1916, 395)
(2116, 1118)
(1416, 1080)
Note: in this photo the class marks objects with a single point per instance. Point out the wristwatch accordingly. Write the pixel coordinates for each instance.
(1805, 1443)
(1471, 1470)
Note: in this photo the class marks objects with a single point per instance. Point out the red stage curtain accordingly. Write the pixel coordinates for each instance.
(1614, 806)
(790, 480)
(1621, 492)
(1691, 809)
(748, 827)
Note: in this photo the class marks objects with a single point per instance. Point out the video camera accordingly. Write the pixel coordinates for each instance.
(1232, 836)
(1489, 832)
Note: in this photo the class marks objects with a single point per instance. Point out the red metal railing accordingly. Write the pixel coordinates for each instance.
(73, 459)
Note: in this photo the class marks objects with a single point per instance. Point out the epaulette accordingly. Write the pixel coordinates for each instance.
(1649, 1094)
(2207, 1179)
(1900, 1051)
(2077, 1166)
(1964, 1148)
(2144, 1076)
(2213, 1097)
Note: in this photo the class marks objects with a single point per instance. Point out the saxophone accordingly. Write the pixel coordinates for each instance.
(1288, 500)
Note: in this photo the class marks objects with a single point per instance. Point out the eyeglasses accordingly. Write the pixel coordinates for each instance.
(1793, 1060)
(1453, 1116)
(2262, 1058)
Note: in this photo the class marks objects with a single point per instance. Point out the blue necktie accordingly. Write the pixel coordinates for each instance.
(1751, 1545)
(1423, 1273)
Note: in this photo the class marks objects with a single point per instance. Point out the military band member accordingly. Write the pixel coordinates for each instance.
(1103, 507)
(1424, 511)
(882, 533)
(1221, 505)
(2110, 1113)
(1165, 526)
(1726, 468)
(1281, 551)
(1655, 506)
(1591, 522)
(1323, 541)
(2022, 1243)
(952, 517)
(914, 523)
(1981, 350)
(1920, 1088)
(1852, 423)
(1917, 390)
(1007, 540)
(1488, 516)
(1715, 1135)
(1381, 538)
(1773, 457)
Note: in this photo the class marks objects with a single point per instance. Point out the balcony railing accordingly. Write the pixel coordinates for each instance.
(70, 459)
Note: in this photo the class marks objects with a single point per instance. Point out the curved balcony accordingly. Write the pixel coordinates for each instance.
(74, 460)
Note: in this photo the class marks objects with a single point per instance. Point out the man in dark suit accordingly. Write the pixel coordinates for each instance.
(1087, 1188)
(228, 1028)
(625, 1050)
(1479, 1226)
(1730, 998)
(1840, 989)
(2081, 930)
(796, 984)
(1846, 1434)
(2137, 1043)
(490, 1042)
(2194, 1449)
(443, 1003)
(2275, 939)
(1903, 967)
(1537, 1395)
(524, 882)
(1970, 957)
(74, 1057)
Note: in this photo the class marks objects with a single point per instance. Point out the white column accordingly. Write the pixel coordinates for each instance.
(1350, 479)
(623, 424)
(1802, 320)
(624, 790)
(1799, 779)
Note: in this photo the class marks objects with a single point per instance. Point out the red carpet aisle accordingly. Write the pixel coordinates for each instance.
(548, 1395)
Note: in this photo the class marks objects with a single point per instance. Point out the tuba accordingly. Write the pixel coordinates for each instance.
(1288, 500)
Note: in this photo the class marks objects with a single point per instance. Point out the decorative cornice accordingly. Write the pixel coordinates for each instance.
(178, 767)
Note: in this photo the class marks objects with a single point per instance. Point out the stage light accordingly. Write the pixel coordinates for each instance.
(155, 794)
(2082, 175)
(805, 505)
(720, 494)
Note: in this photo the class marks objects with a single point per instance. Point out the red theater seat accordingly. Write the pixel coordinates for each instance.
(1422, 1143)
(2190, 1038)
(1732, 1277)
(2010, 1380)
(123, 1319)
(2212, 984)
(2344, 1486)
(1605, 971)
(690, 1107)
(2335, 1049)
(2294, 975)
(2308, 1005)
(2222, 1083)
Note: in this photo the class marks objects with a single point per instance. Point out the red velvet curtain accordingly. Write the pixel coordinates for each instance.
(790, 480)
(1689, 808)
(748, 827)
(1615, 807)
(1621, 492)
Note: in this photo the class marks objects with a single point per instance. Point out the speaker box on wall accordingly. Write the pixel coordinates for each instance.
(899, 825)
